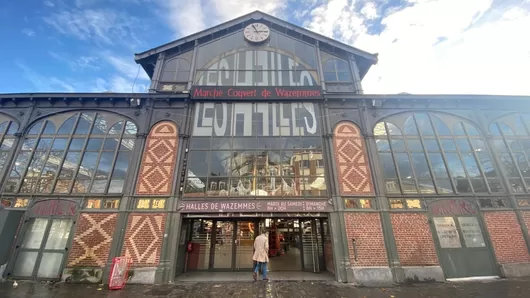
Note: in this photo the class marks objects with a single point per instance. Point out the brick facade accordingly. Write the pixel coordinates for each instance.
(352, 162)
(414, 241)
(507, 237)
(526, 218)
(143, 238)
(366, 229)
(158, 162)
(92, 240)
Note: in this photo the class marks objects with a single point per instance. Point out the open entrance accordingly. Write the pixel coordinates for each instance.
(295, 244)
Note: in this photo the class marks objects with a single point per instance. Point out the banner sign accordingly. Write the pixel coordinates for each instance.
(53, 208)
(119, 273)
(452, 207)
(255, 206)
(253, 92)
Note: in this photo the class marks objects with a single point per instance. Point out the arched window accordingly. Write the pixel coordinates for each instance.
(431, 153)
(85, 152)
(8, 129)
(177, 69)
(335, 69)
(512, 146)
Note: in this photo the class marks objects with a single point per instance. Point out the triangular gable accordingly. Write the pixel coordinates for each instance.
(147, 58)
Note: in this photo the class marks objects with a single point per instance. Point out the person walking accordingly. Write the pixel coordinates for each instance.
(261, 255)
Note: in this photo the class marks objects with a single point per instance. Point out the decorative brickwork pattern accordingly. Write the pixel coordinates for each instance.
(156, 173)
(507, 237)
(352, 161)
(414, 241)
(366, 229)
(526, 218)
(92, 240)
(143, 239)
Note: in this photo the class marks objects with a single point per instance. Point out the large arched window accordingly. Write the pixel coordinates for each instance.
(512, 145)
(8, 129)
(85, 152)
(431, 153)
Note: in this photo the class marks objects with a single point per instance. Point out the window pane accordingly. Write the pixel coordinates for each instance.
(84, 124)
(506, 130)
(59, 144)
(200, 143)
(494, 129)
(94, 144)
(3, 126)
(520, 129)
(426, 186)
(105, 164)
(414, 145)
(49, 129)
(34, 233)
(382, 145)
(471, 165)
(448, 145)
(59, 233)
(410, 127)
(20, 165)
(221, 163)
(471, 232)
(29, 144)
(471, 130)
(88, 165)
(458, 130)
(100, 126)
(70, 165)
(13, 128)
(35, 129)
(116, 129)
(122, 163)
(130, 129)
(221, 143)
(44, 144)
(438, 166)
(479, 185)
(463, 145)
(441, 128)
(67, 127)
(110, 144)
(455, 165)
(444, 186)
(487, 165)
(116, 186)
(393, 130)
(398, 145)
(424, 124)
(387, 162)
(77, 144)
(507, 162)
(379, 129)
(195, 186)
(197, 163)
(98, 186)
(431, 145)
(420, 165)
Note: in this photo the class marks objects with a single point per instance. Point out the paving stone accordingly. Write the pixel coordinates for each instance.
(280, 289)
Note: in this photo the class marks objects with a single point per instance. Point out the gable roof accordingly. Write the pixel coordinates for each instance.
(147, 58)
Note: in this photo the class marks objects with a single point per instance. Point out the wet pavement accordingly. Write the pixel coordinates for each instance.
(278, 289)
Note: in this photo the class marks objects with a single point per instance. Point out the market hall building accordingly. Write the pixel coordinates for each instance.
(257, 123)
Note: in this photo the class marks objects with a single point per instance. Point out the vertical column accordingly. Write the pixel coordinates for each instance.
(156, 73)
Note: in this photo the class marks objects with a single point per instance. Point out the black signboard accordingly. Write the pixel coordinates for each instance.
(251, 92)
(255, 206)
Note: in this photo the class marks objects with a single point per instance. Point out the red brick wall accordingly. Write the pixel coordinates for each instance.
(366, 229)
(328, 256)
(143, 238)
(414, 241)
(158, 161)
(507, 237)
(351, 159)
(526, 218)
(92, 240)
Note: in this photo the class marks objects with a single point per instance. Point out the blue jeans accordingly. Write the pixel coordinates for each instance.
(263, 270)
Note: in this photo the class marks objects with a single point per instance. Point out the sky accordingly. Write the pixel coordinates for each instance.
(424, 46)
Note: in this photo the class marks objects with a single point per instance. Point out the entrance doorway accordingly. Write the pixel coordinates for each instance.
(228, 244)
(43, 246)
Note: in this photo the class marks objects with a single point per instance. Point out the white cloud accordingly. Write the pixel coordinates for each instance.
(49, 4)
(369, 10)
(125, 66)
(104, 27)
(438, 46)
(77, 64)
(186, 17)
(28, 32)
(44, 83)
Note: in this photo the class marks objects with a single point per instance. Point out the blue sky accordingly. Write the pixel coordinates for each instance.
(424, 46)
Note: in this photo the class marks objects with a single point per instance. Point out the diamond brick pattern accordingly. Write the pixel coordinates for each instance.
(156, 173)
(507, 237)
(414, 241)
(92, 240)
(143, 239)
(351, 159)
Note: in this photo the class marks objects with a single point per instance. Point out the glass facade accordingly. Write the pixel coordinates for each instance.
(432, 153)
(7, 140)
(85, 152)
(512, 146)
(260, 149)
